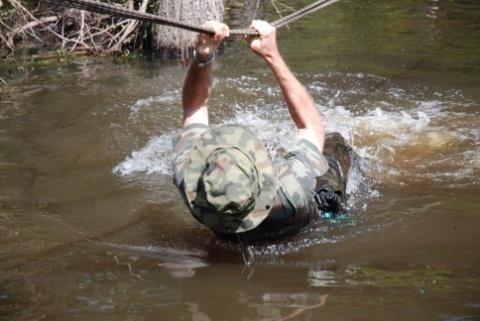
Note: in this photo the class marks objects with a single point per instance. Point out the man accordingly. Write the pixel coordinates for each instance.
(224, 173)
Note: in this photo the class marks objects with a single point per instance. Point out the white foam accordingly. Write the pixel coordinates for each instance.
(154, 158)
(157, 250)
(169, 97)
(393, 124)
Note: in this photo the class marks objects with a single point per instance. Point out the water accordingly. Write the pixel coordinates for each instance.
(91, 227)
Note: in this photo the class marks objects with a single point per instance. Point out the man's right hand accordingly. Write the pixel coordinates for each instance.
(207, 45)
(265, 45)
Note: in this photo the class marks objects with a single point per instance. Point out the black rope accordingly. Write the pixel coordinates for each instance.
(119, 11)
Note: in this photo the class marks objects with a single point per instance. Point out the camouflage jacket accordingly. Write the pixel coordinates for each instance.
(297, 174)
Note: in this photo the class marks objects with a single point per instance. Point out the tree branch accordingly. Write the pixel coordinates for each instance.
(129, 28)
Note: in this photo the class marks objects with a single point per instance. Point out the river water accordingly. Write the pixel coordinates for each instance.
(91, 227)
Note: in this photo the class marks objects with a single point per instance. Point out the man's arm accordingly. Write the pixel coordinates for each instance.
(197, 85)
(300, 104)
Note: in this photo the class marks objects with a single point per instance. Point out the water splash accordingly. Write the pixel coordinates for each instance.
(401, 135)
(396, 125)
(154, 158)
(169, 97)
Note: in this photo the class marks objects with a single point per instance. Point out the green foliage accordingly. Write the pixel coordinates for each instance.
(6, 12)
(63, 55)
(124, 57)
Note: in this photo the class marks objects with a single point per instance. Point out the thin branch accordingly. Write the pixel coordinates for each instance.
(129, 29)
(7, 42)
(130, 269)
(284, 5)
(18, 6)
(82, 26)
(92, 40)
(257, 6)
(106, 30)
(5, 25)
(323, 300)
(33, 24)
(276, 3)
(63, 30)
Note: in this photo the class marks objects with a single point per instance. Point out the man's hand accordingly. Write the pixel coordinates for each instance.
(266, 44)
(207, 45)
(300, 104)
(198, 81)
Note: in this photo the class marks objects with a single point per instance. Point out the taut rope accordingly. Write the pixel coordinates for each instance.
(118, 11)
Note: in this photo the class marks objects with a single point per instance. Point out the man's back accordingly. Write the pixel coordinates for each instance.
(230, 185)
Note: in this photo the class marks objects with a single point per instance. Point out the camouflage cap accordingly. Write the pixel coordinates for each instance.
(230, 182)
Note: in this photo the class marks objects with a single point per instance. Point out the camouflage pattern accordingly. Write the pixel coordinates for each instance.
(226, 177)
(298, 173)
(295, 205)
(183, 145)
(302, 170)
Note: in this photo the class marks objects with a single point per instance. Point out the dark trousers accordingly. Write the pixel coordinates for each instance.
(339, 155)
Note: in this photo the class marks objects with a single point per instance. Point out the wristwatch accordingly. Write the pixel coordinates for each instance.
(204, 63)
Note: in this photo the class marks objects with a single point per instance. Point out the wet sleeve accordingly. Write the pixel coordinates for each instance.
(183, 144)
(303, 164)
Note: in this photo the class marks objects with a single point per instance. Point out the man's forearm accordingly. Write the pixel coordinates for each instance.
(196, 91)
(300, 104)
(198, 81)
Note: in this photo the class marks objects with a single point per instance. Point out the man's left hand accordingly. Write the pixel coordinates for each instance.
(207, 45)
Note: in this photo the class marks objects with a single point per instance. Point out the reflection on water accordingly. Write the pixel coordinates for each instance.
(92, 228)
(272, 306)
(179, 263)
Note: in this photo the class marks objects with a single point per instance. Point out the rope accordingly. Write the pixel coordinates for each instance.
(119, 11)
(311, 8)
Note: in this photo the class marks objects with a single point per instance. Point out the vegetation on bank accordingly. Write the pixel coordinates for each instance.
(30, 27)
(34, 34)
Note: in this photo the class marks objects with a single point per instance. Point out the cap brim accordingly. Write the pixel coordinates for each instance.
(242, 138)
